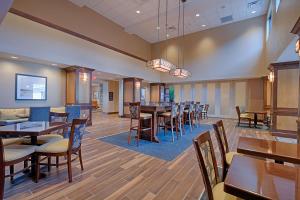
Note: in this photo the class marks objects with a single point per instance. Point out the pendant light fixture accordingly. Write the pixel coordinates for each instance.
(160, 64)
(179, 71)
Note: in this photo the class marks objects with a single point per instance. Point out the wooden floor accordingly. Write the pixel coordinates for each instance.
(111, 172)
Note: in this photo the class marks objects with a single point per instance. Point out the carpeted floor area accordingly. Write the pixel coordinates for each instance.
(165, 149)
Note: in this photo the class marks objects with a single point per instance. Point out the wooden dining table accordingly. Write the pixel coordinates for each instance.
(153, 109)
(256, 113)
(279, 151)
(33, 130)
(251, 178)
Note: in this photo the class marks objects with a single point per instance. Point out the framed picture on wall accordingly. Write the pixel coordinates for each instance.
(30, 87)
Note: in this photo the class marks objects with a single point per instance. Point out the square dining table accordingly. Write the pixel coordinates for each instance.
(32, 130)
(279, 151)
(250, 178)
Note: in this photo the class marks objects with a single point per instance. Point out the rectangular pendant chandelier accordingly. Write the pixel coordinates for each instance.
(180, 73)
(161, 65)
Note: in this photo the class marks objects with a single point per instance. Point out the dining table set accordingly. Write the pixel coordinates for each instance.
(264, 169)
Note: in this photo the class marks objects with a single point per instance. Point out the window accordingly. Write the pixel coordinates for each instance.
(269, 22)
(277, 2)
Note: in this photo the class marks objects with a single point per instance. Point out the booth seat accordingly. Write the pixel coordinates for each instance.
(17, 115)
(13, 115)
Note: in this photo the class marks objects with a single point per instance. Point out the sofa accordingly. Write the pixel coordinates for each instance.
(17, 115)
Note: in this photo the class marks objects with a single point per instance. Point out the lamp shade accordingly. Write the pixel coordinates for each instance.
(161, 65)
(180, 73)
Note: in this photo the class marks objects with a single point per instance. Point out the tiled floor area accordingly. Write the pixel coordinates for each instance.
(111, 172)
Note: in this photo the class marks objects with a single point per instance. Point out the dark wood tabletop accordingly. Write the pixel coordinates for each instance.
(256, 112)
(251, 178)
(30, 128)
(279, 151)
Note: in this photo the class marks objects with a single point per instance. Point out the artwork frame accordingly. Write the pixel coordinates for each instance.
(26, 92)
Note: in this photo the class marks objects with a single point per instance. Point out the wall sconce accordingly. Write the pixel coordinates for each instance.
(84, 77)
(298, 47)
(271, 77)
(137, 84)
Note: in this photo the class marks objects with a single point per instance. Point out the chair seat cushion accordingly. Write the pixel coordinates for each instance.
(59, 146)
(145, 115)
(218, 193)
(245, 115)
(229, 157)
(49, 138)
(9, 141)
(166, 114)
(15, 151)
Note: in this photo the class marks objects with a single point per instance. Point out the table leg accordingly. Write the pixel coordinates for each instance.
(255, 120)
(154, 125)
(33, 160)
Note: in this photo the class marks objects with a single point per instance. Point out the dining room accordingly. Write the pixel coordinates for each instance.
(160, 99)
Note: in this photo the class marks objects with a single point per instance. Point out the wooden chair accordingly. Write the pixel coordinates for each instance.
(189, 115)
(11, 155)
(169, 118)
(197, 113)
(63, 147)
(135, 114)
(243, 116)
(226, 155)
(208, 167)
(181, 118)
(205, 111)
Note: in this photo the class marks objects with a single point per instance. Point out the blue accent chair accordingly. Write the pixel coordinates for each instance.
(74, 113)
(38, 114)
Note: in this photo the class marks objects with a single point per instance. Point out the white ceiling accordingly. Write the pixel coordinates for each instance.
(123, 12)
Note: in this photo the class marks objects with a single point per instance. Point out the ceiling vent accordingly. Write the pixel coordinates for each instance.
(254, 3)
(226, 19)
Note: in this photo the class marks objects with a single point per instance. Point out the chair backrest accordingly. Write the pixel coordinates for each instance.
(73, 111)
(174, 110)
(39, 114)
(2, 169)
(135, 110)
(77, 131)
(206, 107)
(191, 107)
(181, 109)
(222, 142)
(238, 111)
(58, 117)
(207, 161)
(198, 108)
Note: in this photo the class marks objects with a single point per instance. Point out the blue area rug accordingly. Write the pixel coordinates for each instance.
(165, 150)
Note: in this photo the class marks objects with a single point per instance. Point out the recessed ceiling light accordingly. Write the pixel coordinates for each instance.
(203, 25)
(54, 64)
(138, 12)
(14, 57)
(254, 11)
(197, 15)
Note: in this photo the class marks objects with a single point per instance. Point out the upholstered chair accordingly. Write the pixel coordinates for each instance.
(171, 120)
(226, 155)
(243, 116)
(9, 156)
(208, 167)
(63, 147)
(181, 118)
(38, 114)
(189, 115)
(140, 119)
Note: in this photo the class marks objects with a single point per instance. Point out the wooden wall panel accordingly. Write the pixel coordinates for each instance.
(177, 93)
(286, 123)
(240, 94)
(288, 89)
(211, 93)
(225, 98)
(187, 92)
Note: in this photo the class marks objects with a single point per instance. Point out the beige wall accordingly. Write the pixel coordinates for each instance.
(283, 22)
(56, 80)
(24, 37)
(223, 96)
(110, 106)
(86, 22)
(230, 51)
(4, 7)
